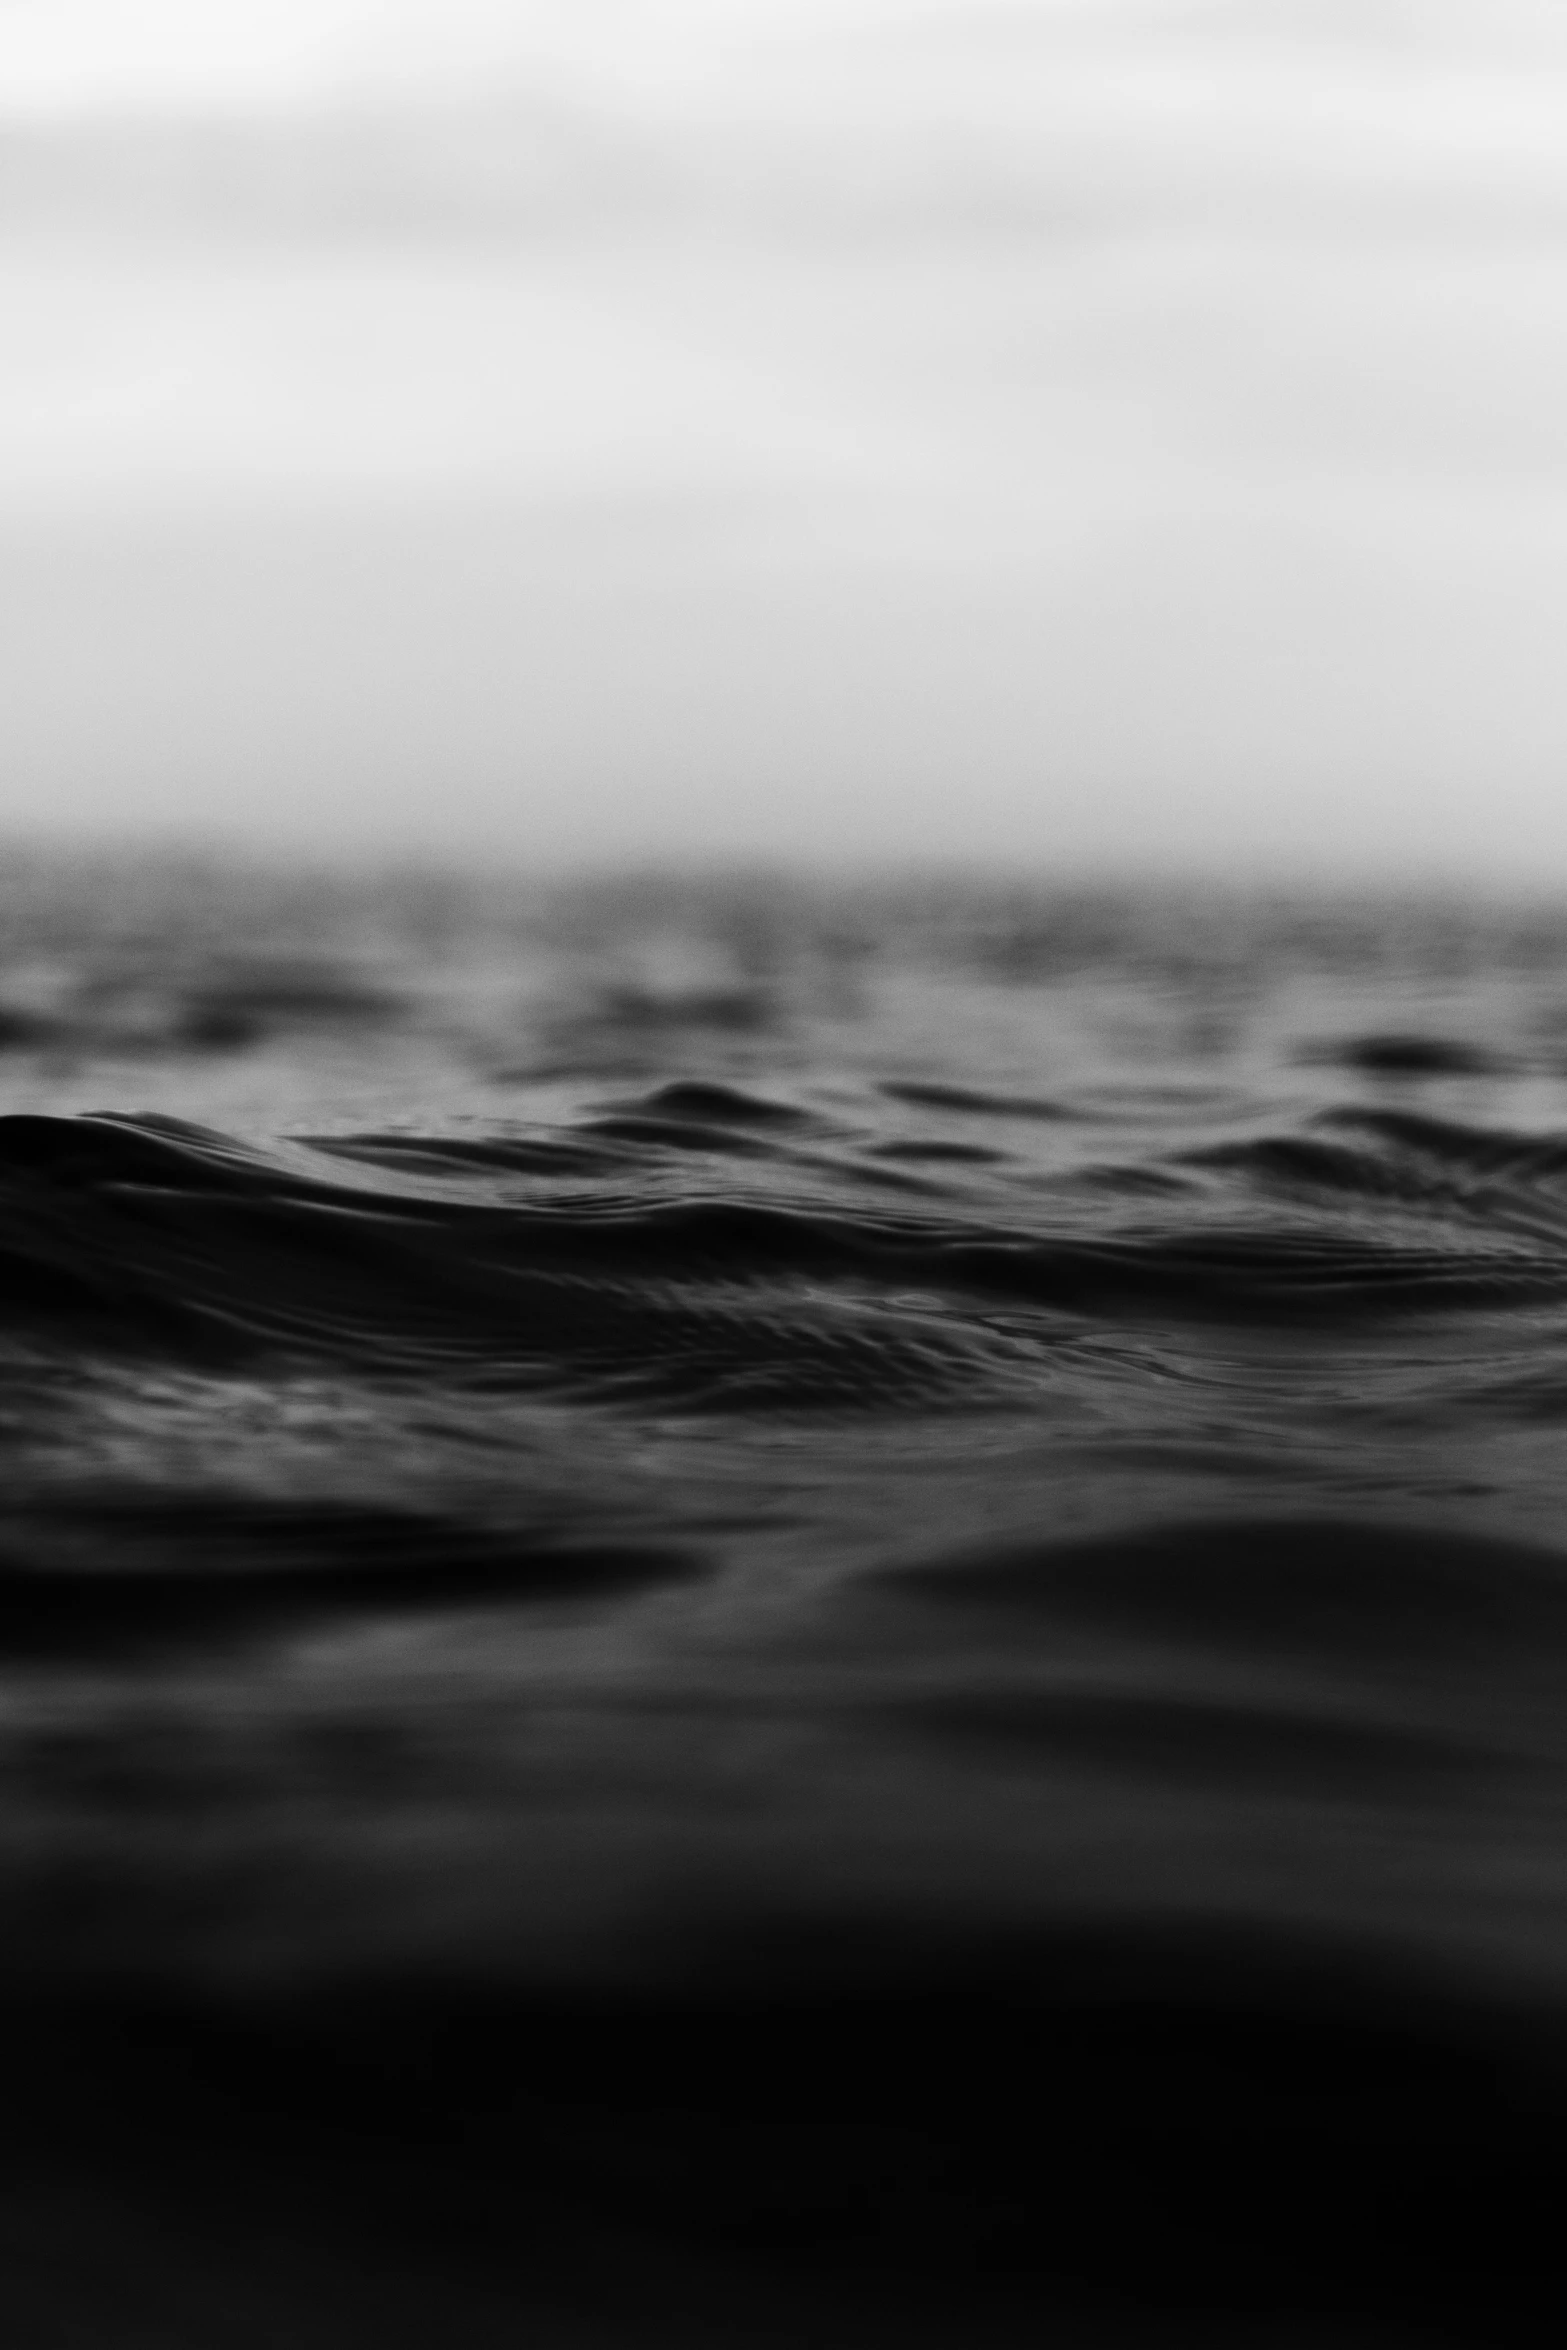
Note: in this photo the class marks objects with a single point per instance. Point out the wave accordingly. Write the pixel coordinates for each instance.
(165, 1573)
(1411, 1054)
(1351, 1589)
(635, 1254)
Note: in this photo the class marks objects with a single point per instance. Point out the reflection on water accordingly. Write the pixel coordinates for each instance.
(837, 1603)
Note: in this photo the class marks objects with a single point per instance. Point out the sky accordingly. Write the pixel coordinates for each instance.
(1076, 433)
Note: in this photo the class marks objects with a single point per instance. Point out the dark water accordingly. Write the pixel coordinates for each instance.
(766, 1614)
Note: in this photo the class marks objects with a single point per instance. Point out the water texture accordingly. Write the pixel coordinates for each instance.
(780, 1612)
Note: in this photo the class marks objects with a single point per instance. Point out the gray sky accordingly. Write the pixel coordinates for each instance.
(1070, 430)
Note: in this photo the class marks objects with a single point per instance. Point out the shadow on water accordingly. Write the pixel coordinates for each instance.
(1130, 2135)
(114, 1579)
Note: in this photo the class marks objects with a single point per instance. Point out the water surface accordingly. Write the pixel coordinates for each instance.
(755, 1606)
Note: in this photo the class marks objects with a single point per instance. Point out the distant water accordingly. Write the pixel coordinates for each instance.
(759, 1612)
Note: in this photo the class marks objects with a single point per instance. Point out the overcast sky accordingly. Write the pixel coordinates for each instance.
(1078, 431)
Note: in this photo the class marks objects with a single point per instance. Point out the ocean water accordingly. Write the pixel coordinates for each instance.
(757, 1611)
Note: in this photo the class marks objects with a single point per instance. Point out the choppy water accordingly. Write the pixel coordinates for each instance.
(750, 1610)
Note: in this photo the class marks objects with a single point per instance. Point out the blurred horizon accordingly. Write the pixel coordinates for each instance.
(156, 876)
(1114, 436)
